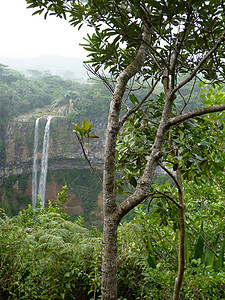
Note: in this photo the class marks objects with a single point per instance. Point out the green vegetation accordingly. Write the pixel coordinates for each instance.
(13, 194)
(85, 185)
(180, 234)
(42, 93)
(81, 182)
(22, 95)
(45, 256)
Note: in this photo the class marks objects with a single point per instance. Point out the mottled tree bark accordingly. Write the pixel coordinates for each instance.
(111, 219)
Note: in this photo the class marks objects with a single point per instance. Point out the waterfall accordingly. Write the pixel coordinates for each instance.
(34, 170)
(44, 163)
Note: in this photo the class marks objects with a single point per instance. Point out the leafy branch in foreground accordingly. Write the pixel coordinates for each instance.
(82, 132)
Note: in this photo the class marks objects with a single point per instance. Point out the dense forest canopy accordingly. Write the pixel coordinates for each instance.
(22, 95)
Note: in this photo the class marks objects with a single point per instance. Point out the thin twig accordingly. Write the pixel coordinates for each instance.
(87, 159)
(171, 175)
(131, 111)
(206, 244)
(189, 98)
(162, 195)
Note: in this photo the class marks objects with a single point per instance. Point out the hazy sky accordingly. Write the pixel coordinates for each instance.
(24, 35)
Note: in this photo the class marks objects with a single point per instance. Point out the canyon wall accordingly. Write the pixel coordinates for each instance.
(66, 165)
(64, 150)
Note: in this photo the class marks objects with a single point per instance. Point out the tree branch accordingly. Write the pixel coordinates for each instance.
(102, 77)
(189, 98)
(165, 196)
(171, 175)
(202, 61)
(195, 113)
(131, 111)
(87, 159)
(177, 49)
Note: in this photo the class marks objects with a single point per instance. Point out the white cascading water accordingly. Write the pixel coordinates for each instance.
(34, 170)
(44, 163)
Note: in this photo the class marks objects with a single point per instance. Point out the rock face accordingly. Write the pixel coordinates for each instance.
(64, 149)
(66, 165)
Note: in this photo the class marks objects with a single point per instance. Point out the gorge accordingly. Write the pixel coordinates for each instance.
(30, 150)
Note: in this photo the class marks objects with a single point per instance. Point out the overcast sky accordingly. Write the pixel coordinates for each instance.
(24, 35)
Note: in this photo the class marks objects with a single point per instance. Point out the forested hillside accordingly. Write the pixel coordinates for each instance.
(43, 93)
(46, 256)
(22, 95)
(22, 100)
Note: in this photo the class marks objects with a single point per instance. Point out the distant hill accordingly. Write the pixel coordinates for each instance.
(67, 67)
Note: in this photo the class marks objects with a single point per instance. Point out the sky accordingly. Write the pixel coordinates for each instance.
(23, 35)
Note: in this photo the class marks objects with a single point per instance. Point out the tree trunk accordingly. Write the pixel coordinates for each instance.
(110, 209)
(109, 259)
(181, 267)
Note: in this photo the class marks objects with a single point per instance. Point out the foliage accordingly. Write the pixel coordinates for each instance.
(149, 41)
(83, 131)
(59, 206)
(86, 187)
(24, 95)
(119, 26)
(43, 256)
(198, 155)
(202, 165)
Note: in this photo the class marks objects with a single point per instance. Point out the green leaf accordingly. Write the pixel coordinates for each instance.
(151, 261)
(38, 12)
(132, 180)
(181, 136)
(119, 189)
(199, 245)
(220, 260)
(209, 256)
(133, 99)
(67, 274)
(208, 261)
(84, 122)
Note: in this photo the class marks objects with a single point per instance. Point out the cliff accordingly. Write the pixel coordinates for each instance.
(64, 149)
(66, 165)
